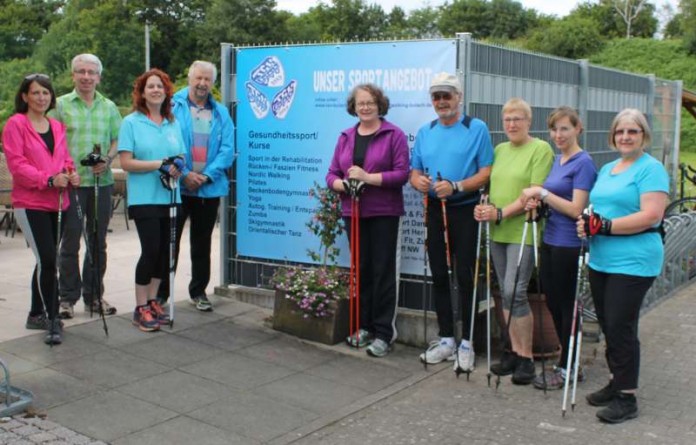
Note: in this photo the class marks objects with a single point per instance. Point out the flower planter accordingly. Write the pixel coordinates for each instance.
(288, 318)
(550, 347)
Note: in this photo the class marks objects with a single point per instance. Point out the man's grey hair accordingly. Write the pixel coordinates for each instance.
(87, 58)
(202, 64)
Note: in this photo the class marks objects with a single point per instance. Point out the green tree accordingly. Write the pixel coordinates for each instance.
(239, 22)
(172, 24)
(610, 22)
(23, 23)
(100, 28)
(486, 19)
(571, 37)
(347, 20)
(422, 23)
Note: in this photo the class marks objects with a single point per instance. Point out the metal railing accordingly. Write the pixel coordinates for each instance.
(680, 257)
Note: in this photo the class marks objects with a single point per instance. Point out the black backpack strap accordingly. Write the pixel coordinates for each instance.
(467, 121)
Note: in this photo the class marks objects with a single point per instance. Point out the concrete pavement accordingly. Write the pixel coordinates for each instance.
(226, 377)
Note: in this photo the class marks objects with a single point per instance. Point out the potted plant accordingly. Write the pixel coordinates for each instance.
(311, 302)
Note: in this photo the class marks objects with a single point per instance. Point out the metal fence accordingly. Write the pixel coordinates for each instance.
(680, 257)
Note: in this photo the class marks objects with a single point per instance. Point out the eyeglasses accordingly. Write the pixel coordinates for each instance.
(82, 72)
(441, 96)
(514, 120)
(36, 76)
(629, 131)
(365, 104)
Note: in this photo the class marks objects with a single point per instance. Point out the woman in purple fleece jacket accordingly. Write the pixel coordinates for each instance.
(375, 153)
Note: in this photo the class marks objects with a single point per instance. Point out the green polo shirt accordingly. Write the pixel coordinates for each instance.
(86, 126)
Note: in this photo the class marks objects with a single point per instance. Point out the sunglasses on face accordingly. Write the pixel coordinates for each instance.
(441, 96)
(629, 131)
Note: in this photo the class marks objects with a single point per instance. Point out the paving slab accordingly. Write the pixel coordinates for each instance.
(312, 393)
(109, 369)
(227, 334)
(109, 415)
(237, 371)
(52, 388)
(172, 351)
(177, 391)
(254, 416)
(290, 352)
(183, 430)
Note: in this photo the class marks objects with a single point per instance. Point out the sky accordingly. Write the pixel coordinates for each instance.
(554, 7)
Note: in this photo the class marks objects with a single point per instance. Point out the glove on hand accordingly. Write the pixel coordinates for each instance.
(596, 224)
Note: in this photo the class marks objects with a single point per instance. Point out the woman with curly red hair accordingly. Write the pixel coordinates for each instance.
(148, 141)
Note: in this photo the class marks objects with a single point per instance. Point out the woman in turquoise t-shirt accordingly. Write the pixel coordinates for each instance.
(628, 199)
(148, 136)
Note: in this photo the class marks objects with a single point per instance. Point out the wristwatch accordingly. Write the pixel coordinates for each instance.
(50, 182)
(543, 194)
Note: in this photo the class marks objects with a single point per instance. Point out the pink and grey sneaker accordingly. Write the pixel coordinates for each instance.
(159, 313)
(144, 319)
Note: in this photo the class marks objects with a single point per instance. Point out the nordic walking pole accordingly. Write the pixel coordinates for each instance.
(517, 279)
(535, 242)
(581, 308)
(571, 341)
(88, 250)
(488, 298)
(357, 266)
(58, 233)
(454, 288)
(172, 247)
(474, 296)
(425, 276)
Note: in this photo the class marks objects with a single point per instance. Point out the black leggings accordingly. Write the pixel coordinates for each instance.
(40, 230)
(379, 237)
(154, 249)
(618, 299)
(559, 275)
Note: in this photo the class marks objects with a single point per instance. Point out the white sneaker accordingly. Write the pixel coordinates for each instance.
(438, 351)
(465, 359)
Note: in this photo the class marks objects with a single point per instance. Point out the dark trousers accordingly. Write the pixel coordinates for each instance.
(72, 284)
(462, 242)
(379, 238)
(559, 275)
(154, 249)
(618, 299)
(40, 229)
(203, 213)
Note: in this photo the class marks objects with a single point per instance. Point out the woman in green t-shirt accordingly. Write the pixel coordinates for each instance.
(521, 162)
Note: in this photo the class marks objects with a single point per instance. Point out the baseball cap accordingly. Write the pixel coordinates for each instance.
(445, 82)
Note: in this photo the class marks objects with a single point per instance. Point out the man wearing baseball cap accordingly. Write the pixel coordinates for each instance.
(451, 161)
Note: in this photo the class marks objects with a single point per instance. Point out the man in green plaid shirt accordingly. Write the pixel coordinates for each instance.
(90, 119)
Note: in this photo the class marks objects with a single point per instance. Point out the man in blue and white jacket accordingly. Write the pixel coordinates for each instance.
(208, 133)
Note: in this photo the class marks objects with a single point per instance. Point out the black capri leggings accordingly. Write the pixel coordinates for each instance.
(154, 252)
(40, 230)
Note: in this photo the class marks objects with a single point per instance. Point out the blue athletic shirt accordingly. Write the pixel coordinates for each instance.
(579, 173)
(457, 152)
(617, 195)
(148, 142)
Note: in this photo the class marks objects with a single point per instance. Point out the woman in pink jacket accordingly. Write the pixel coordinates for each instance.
(41, 167)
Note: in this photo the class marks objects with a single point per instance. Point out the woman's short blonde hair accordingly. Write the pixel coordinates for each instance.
(636, 116)
(517, 104)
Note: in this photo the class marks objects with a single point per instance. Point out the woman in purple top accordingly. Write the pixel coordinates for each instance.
(375, 153)
(565, 192)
